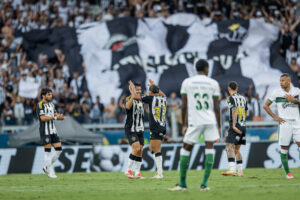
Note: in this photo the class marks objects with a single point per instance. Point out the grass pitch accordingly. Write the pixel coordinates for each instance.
(257, 184)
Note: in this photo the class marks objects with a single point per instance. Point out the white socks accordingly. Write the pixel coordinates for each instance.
(47, 157)
(138, 165)
(232, 166)
(158, 162)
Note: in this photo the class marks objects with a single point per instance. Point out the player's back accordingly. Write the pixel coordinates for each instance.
(200, 91)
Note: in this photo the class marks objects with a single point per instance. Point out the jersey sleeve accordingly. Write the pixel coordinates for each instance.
(183, 90)
(216, 92)
(272, 97)
(231, 102)
(147, 99)
(40, 109)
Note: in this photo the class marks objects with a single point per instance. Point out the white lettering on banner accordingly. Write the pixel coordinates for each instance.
(169, 157)
(273, 152)
(38, 161)
(196, 150)
(5, 157)
(71, 156)
(294, 153)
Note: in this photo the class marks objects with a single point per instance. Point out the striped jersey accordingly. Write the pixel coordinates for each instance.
(157, 114)
(240, 103)
(286, 110)
(135, 116)
(46, 109)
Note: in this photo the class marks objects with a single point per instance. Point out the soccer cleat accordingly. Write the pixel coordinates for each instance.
(204, 188)
(129, 174)
(177, 188)
(157, 176)
(229, 173)
(48, 172)
(139, 176)
(240, 174)
(289, 176)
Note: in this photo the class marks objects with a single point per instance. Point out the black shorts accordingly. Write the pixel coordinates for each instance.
(157, 136)
(135, 137)
(235, 138)
(50, 139)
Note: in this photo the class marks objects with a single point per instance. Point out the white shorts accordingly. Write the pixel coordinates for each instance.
(287, 131)
(193, 134)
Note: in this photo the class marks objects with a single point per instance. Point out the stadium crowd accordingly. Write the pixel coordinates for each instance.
(70, 97)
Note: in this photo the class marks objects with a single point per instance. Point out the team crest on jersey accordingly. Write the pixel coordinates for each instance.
(47, 140)
(133, 138)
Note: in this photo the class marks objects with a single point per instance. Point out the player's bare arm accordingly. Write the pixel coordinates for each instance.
(151, 82)
(129, 103)
(184, 112)
(217, 113)
(234, 120)
(133, 92)
(269, 111)
(291, 99)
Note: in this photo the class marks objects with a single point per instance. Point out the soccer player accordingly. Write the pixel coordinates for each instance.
(157, 102)
(134, 130)
(237, 129)
(200, 98)
(287, 101)
(47, 114)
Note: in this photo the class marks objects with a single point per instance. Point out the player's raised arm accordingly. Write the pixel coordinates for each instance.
(133, 92)
(151, 82)
(129, 100)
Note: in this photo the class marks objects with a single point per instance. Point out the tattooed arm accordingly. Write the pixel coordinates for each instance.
(234, 120)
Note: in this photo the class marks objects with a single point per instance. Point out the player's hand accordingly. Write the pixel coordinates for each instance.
(238, 131)
(290, 98)
(151, 82)
(279, 119)
(60, 117)
(183, 129)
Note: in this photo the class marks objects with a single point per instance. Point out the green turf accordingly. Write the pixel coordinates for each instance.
(257, 184)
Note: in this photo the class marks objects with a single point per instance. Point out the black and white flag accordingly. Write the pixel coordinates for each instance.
(166, 50)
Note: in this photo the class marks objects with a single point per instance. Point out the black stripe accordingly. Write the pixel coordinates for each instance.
(49, 127)
(280, 98)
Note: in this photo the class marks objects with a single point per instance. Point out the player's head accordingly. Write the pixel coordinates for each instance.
(46, 94)
(138, 87)
(153, 90)
(202, 66)
(285, 81)
(232, 87)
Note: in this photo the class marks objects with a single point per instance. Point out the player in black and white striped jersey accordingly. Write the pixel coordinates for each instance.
(47, 114)
(134, 130)
(238, 109)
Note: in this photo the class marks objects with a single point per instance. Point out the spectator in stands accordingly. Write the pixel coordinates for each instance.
(294, 66)
(8, 113)
(85, 112)
(110, 111)
(291, 53)
(256, 103)
(76, 111)
(86, 98)
(19, 111)
(28, 112)
(97, 111)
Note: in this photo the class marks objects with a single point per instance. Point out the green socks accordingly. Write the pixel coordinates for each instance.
(209, 162)
(284, 161)
(184, 165)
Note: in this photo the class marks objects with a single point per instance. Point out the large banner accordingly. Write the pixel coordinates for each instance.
(166, 50)
(114, 158)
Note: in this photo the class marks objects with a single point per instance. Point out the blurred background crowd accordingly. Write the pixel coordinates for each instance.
(70, 92)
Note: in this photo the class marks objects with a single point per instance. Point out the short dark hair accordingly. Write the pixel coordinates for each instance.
(154, 89)
(286, 75)
(45, 91)
(233, 85)
(201, 65)
(137, 84)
